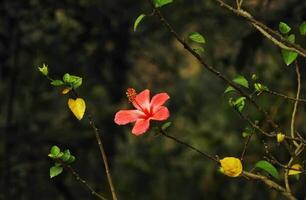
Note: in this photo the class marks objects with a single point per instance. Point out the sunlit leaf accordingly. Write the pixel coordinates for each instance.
(55, 171)
(55, 150)
(138, 20)
(57, 83)
(303, 28)
(197, 37)
(77, 107)
(284, 28)
(240, 80)
(160, 3)
(166, 125)
(289, 56)
(229, 89)
(296, 169)
(268, 167)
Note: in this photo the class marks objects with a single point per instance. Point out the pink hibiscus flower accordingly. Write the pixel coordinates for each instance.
(146, 110)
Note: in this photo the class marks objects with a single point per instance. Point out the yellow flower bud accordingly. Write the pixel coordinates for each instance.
(231, 166)
(280, 137)
(295, 169)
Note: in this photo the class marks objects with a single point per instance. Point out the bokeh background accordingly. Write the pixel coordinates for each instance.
(94, 39)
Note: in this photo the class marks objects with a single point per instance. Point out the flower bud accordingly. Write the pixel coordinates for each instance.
(231, 166)
(280, 137)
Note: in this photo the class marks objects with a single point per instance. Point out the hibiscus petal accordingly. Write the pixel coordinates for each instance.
(159, 99)
(127, 116)
(161, 114)
(141, 126)
(142, 100)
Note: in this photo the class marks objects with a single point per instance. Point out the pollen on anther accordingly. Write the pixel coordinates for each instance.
(131, 94)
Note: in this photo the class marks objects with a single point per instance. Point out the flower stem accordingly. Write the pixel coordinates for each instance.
(189, 146)
(104, 157)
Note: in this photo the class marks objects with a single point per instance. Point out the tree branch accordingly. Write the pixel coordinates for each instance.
(210, 68)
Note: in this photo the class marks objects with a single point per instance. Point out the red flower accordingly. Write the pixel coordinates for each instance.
(146, 110)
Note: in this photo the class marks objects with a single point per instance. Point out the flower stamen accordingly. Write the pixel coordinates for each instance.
(131, 94)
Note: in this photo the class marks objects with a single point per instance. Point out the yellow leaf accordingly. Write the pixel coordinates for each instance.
(66, 90)
(295, 169)
(77, 107)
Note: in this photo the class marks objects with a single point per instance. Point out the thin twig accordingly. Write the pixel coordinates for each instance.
(82, 181)
(266, 31)
(103, 154)
(210, 68)
(102, 151)
(189, 146)
(292, 125)
(246, 146)
(271, 134)
(284, 96)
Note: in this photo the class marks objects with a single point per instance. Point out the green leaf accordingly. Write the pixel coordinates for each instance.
(55, 150)
(66, 78)
(160, 3)
(197, 37)
(289, 56)
(55, 171)
(260, 87)
(198, 50)
(291, 38)
(245, 134)
(240, 80)
(254, 77)
(72, 80)
(57, 83)
(229, 89)
(240, 103)
(138, 20)
(268, 167)
(166, 125)
(284, 28)
(71, 159)
(303, 29)
(66, 156)
(76, 81)
(44, 70)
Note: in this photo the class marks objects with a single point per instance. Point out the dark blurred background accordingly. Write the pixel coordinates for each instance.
(95, 40)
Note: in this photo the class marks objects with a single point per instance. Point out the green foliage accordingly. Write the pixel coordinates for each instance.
(289, 56)
(138, 20)
(284, 28)
(268, 167)
(55, 151)
(229, 89)
(44, 70)
(291, 38)
(254, 77)
(238, 104)
(161, 3)
(198, 50)
(72, 80)
(57, 83)
(260, 87)
(166, 125)
(59, 159)
(241, 80)
(303, 28)
(55, 171)
(197, 37)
